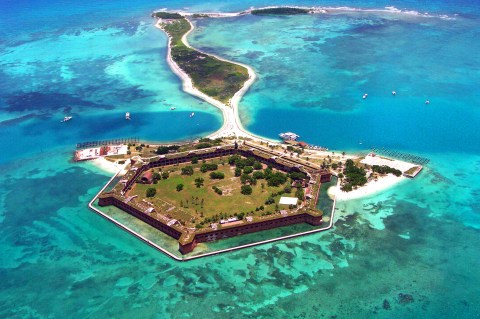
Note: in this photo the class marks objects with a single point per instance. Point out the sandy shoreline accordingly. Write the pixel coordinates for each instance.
(371, 188)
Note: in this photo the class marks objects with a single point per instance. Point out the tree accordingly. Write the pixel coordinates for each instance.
(194, 160)
(334, 165)
(246, 190)
(257, 166)
(165, 175)
(166, 149)
(187, 170)
(340, 175)
(151, 192)
(198, 182)
(299, 193)
(156, 177)
(277, 179)
(179, 188)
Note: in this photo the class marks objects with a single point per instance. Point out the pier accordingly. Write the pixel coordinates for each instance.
(402, 156)
(130, 140)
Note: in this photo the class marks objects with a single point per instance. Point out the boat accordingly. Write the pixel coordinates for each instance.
(127, 116)
(66, 119)
(173, 108)
(289, 136)
(192, 115)
(365, 96)
(394, 93)
(427, 102)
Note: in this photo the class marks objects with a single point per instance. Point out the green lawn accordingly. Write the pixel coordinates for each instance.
(170, 201)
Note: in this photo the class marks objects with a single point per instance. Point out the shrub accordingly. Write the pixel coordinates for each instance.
(269, 201)
(165, 175)
(246, 190)
(257, 166)
(151, 192)
(238, 171)
(179, 187)
(208, 167)
(248, 170)
(217, 190)
(203, 145)
(187, 170)
(165, 149)
(258, 175)
(217, 175)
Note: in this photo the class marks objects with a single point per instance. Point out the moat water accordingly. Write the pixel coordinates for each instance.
(410, 252)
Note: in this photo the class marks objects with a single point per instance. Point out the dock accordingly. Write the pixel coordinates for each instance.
(118, 141)
(401, 156)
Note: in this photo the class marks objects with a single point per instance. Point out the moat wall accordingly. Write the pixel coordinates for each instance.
(211, 235)
(187, 245)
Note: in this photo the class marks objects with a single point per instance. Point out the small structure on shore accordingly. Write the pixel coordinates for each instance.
(289, 136)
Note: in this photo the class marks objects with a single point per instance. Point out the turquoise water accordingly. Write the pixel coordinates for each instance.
(410, 252)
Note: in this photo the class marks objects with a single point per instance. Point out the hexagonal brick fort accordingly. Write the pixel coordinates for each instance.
(188, 238)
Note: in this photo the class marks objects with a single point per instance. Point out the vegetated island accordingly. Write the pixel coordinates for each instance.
(280, 11)
(218, 78)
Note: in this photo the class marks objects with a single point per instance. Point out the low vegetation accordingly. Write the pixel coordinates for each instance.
(354, 176)
(216, 78)
(386, 170)
(280, 11)
(167, 15)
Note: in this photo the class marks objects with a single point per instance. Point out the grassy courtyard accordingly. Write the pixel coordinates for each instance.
(194, 205)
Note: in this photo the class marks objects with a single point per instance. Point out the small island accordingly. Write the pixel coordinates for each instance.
(217, 78)
(280, 11)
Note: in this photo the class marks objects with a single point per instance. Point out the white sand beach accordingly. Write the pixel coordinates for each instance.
(371, 188)
(108, 166)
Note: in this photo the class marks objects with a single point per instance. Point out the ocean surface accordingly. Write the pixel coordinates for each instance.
(409, 252)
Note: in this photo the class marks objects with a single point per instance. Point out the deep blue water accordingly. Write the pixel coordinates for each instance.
(410, 252)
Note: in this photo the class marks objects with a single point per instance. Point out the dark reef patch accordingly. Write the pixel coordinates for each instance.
(43, 102)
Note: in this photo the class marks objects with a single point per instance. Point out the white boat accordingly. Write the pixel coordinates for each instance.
(173, 108)
(394, 93)
(66, 119)
(127, 116)
(192, 115)
(365, 96)
(427, 102)
(289, 136)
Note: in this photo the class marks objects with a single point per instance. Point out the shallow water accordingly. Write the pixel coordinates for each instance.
(410, 252)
